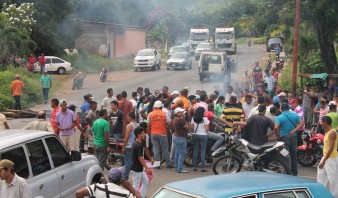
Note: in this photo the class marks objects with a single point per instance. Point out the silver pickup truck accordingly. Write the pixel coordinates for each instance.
(41, 158)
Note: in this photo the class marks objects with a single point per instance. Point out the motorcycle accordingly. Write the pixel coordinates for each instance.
(249, 43)
(103, 75)
(312, 149)
(236, 154)
(115, 157)
(78, 80)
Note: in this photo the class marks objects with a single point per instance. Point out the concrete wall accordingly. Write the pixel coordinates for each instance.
(130, 42)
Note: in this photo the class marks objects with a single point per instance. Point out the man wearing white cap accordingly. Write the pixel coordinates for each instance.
(157, 122)
(117, 187)
(16, 90)
(174, 96)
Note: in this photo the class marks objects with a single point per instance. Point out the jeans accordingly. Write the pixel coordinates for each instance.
(128, 160)
(172, 152)
(137, 178)
(160, 144)
(291, 146)
(200, 146)
(45, 92)
(218, 138)
(17, 104)
(180, 151)
(100, 152)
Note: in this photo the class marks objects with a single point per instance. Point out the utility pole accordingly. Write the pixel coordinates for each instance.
(295, 48)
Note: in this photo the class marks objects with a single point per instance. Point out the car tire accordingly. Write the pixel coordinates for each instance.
(136, 69)
(153, 68)
(201, 78)
(190, 67)
(61, 70)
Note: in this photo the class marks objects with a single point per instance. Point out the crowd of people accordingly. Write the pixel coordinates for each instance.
(155, 127)
(27, 62)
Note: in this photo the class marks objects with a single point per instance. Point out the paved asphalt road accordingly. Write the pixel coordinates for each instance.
(176, 80)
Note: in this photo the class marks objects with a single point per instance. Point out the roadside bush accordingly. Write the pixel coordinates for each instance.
(32, 84)
(260, 40)
(93, 64)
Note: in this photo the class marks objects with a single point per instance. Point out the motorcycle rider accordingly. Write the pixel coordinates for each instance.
(103, 74)
(78, 80)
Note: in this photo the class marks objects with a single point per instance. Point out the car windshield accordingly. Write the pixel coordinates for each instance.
(275, 40)
(145, 53)
(199, 36)
(178, 49)
(203, 45)
(178, 56)
(224, 35)
(164, 193)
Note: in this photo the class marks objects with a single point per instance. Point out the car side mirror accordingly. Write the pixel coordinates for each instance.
(75, 155)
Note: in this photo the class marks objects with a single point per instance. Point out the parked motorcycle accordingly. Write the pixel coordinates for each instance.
(312, 149)
(103, 75)
(237, 153)
(78, 80)
(115, 157)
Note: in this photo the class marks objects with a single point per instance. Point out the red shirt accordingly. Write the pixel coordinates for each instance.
(32, 59)
(210, 116)
(258, 78)
(42, 60)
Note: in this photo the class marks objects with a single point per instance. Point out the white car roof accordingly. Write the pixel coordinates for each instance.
(147, 50)
(13, 137)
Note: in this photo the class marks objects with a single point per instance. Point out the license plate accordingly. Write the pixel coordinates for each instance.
(284, 152)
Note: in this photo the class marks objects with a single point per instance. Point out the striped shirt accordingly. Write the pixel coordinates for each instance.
(232, 114)
(113, 190)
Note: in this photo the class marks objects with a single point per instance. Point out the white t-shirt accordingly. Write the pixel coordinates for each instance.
(133, 101)
(114, 191)
(2, 121)
(106, 103)
(201, 127)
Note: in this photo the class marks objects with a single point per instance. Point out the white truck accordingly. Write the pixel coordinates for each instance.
(147, 59)
(225, 40)
(198, 35)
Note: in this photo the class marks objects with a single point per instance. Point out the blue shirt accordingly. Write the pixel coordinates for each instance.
(287, 121)
(277, 50)
(85, 107)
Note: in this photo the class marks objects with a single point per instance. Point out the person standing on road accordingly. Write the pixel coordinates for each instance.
(31, 61)
(91, 116)
(3, 122)
(139, 168)
(116, 121)
(200, 125)
(116, 187)
(286, 126)
(46, 84)
(133, 100)
(56, 109)
(139, 91)
(270, 81)
(106, 102)
(12, 185)
(66, 121)
(248, 105)
(333, 115)
(16, 90)
(40, 124)
(181, 128)
(128, 141)
(157, 122)
(327, 172)
(42, 62)
(101, 138)
(230, 92)
(277, 50)
(219, 106)
(85, 106)
(126, 107)
(78, 136)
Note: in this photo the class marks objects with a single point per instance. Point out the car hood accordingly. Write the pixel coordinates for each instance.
(143, 57)
(201, 49)
(175, 60)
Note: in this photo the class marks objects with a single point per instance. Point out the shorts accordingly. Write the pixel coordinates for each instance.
(69, 141)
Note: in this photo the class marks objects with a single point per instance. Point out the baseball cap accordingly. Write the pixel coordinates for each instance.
(178, 110)
(115, 174)
(158, 104)
(282, 94)
(175, 92)
(63, 101)
(5, 163)
(285, 105)
(293, 101)
(72, 107)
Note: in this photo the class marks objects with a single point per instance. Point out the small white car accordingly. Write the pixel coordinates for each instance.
(50, 171)
(202, 47)
(179, 60)
(54, 64)
(176, 49)
(147, 59)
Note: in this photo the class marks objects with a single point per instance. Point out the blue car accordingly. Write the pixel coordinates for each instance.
(244, 185)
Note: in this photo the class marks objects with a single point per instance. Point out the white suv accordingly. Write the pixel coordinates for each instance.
(147, 59)
(55, 64)
(41, 158)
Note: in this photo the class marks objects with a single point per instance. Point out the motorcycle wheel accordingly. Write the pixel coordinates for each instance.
(306, 158)
(227, 164)
(188, 159)
(278, 164)
(114, 161)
